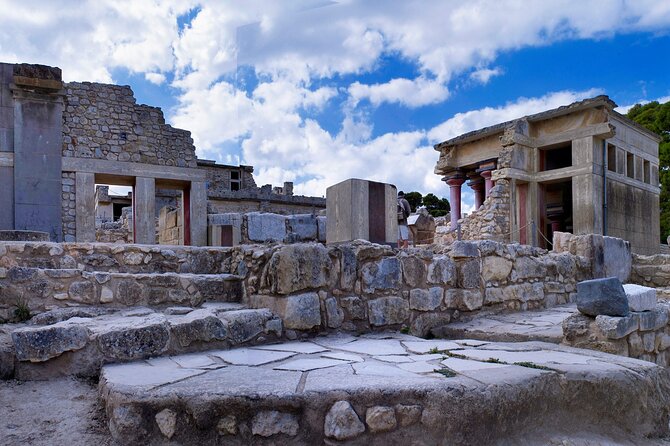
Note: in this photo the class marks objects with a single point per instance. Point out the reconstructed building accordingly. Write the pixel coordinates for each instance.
(58, 140)
(582, 168)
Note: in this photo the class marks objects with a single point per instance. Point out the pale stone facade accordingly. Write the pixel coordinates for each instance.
(583, 168)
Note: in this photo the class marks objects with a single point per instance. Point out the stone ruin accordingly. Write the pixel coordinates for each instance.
(309, 328)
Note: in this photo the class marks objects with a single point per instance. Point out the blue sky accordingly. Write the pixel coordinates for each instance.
(316, 91)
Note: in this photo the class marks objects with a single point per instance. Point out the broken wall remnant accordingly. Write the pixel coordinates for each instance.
(582, 168)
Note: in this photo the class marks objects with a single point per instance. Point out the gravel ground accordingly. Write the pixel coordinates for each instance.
(59, 412)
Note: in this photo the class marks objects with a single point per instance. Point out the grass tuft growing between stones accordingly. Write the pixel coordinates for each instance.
(21, 311)
(455, 355)
(495, 361)
(446, 372)
(532, 365)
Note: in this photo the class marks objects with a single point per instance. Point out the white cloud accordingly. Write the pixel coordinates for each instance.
(623, 109)
(411, 93)
(155, 78)
(484, 75)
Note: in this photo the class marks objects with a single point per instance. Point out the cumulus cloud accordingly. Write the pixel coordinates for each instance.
(411, 93)
(155, 78)
(484, 75)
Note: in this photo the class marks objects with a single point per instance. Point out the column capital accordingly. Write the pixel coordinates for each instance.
(456, 179)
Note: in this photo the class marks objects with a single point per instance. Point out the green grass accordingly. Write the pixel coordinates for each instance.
(21, 311)
(495, 361)
(456, 355)
(446, 372)
(404, 329)
(532, 365)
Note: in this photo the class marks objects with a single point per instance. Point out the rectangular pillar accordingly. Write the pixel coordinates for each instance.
(198, 213)
(85, 206)
(6, 148)
(144, 210)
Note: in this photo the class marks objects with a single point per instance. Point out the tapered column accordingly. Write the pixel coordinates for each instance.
(144, 210)
(455, 182)
(476, 183)
(486, 170)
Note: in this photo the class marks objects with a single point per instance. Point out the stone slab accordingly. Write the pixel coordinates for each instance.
(248, 356)
(266, 227)
(640, 298)
(295, 347)
(304, 365)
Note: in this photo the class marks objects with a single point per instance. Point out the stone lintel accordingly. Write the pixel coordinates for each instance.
(602, 130)
(42, 84)
(125, 169)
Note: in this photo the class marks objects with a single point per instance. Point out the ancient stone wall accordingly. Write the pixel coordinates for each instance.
(491, 220)
(643, 335)
(170, 226)
(104, 121)
(257, 227)
(651, 271)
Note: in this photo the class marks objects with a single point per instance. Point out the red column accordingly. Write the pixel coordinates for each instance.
(455, 183)
(488, 182)
(477, 185)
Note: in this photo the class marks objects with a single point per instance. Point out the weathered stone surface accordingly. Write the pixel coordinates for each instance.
(244, 325)
(425, 300)
(198, 325)
(617, 327)
(166, 420)
(442, 271)
(635, 345)
(382, 275)
(342, 422)
(461, 249)
(654, 319)
(301, 228)
(129, 292)
(617, 258)
(354, 306)
(334, 313)
(348, 267)
(38, 344)
(576, 326)
(388, 311)
(523, 293)
(407, 414)
(528, 268)
(63, 314)
(380, 419)
(495, 269)
(464, 300)
(298, 267)
(602, 296)
(413, 270)
(303, 311)
(469, 273)
(83, 291)
(272, 422)
(423, 324)
(147, 337)
(227, 425)
(266, 227)
(640, 298)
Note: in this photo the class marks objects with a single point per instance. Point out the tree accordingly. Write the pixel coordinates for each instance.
(437, 207)
(656, 117)
(414, 199)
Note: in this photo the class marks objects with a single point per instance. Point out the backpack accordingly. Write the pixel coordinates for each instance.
(402, 214)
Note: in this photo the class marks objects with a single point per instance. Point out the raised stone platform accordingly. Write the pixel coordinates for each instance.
(542, 325)
(383, 389)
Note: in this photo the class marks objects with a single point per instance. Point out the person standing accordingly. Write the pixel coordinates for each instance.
(403, 212)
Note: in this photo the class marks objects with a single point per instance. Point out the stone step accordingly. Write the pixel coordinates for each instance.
(78, 341)
(391, 390)
(42, 289)
(112, 257)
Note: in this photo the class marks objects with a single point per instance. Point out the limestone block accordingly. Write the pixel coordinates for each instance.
(38, 344)
(244, 325)
(321, 228)
(334, 313)
(227, 425)
(388, 311)
(271, 422)
(425, 300)
(148, 336)
(464, 300)
(266, 227)
(303, 311)
(442, 271)
(382, 275)
(423, 324)
(342, 422)
(649, 342)
(407, 414)
(635, 345)
(380, 419)
(528, 268)
(654, 319)
(301, 228)
(413, 270)
(354, 306)
(576, 326)
(469, 273)
(348, 267)
(463, 249)
(298, 267)
(106, 295)
(82, 291)
(495, 269)
(166, 420)
(640, 298)
(614, 327)
(198, 325)
(617, 258)
(602, 297)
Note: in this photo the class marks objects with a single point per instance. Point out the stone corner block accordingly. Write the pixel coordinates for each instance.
(640, 298)
(602, 297)
(462, 249)
(617, 327)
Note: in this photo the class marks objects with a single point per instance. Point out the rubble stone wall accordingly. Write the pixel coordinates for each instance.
(491, 220)
(642, 335)
(651, 271)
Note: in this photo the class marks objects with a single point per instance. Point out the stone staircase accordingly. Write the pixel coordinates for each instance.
(99, 304)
